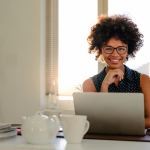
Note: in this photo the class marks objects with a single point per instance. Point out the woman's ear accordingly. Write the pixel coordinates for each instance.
(127, 57)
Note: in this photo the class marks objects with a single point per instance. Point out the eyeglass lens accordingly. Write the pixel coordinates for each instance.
(120, 50)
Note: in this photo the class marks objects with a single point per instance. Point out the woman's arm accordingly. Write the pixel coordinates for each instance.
(88, 86)
(145, 88)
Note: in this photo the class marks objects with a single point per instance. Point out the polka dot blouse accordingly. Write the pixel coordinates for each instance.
(130, 84)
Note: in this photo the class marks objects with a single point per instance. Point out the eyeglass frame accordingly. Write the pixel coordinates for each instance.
(116, 49)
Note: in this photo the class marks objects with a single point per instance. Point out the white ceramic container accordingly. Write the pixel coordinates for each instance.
(40, 129)
(74, 127)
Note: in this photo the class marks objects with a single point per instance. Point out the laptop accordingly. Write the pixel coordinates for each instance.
(112, 113)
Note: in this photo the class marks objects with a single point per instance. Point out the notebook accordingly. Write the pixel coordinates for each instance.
(4, 125)
(112, 113)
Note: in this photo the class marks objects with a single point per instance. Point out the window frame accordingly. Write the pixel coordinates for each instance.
(52, 46)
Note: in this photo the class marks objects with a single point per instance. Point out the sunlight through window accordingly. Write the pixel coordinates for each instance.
(75, 63)
(138, 12)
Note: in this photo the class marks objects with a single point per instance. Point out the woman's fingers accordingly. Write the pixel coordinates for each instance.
(122, 76)
(112, 75)
(118, 73)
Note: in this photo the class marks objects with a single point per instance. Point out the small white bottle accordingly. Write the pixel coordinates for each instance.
(52, 97)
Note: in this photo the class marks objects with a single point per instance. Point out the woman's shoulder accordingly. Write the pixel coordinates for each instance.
(93, 84)
(144, 79)
(88, 86)
(136, 73)
(132, 74)
(131, 71)
(99, 77)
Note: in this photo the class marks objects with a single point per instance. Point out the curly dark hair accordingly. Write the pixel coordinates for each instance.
(118, 26)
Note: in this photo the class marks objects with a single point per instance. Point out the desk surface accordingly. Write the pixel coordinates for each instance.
(18, 143)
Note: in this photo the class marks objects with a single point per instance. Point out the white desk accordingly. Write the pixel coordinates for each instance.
(18, 143)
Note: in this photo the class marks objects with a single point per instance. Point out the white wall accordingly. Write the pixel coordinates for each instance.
(19, 59)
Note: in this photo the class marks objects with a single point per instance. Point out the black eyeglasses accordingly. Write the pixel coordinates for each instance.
(120, 49)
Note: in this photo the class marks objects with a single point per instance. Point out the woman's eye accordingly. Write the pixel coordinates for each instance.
(108, 49)
(121, 49)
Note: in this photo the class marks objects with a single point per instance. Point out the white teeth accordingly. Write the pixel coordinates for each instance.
(114, 60)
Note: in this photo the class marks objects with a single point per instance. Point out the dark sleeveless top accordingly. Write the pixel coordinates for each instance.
(130, 84)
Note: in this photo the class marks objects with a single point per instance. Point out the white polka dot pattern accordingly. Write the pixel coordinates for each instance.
(130, 84)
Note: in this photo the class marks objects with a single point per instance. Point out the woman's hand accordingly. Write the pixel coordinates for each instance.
(111, 76)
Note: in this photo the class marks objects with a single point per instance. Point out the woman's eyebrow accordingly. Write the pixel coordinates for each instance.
(116, 47)
(108, 45)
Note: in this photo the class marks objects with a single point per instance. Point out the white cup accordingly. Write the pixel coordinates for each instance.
(52, 112)
(74, 127)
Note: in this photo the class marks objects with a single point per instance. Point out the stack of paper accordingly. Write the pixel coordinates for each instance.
(7, 131)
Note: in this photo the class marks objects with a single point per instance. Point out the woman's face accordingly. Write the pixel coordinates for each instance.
(115, 60)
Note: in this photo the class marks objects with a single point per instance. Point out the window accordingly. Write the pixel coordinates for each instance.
(75, 63)
(138, 11)
(67, 59)
(64, 56)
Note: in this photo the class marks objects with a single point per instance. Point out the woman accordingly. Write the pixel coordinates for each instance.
(114, 39)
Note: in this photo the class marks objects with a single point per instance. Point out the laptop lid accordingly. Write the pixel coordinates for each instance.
(112, 113)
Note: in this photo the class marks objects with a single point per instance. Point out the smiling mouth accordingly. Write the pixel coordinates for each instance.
(114, 60)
